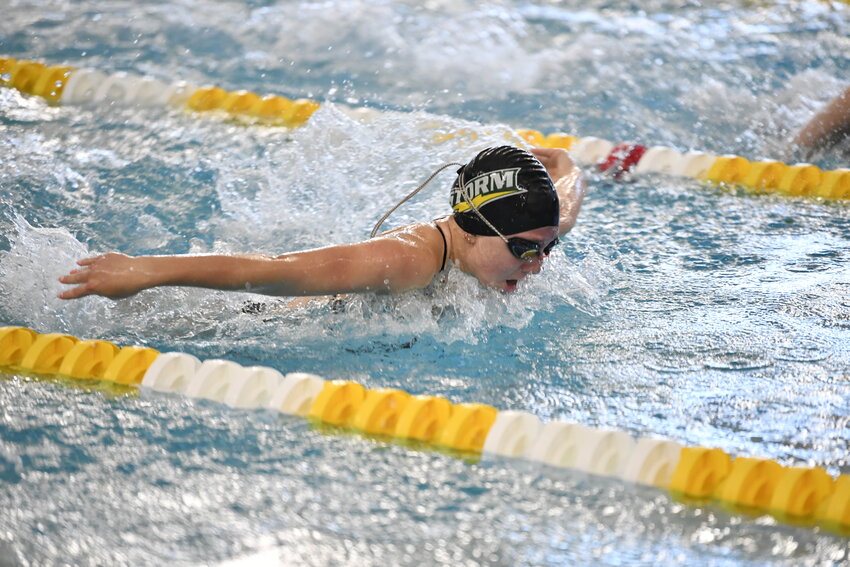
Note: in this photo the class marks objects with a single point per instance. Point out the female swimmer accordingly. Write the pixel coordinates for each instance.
(507, 215)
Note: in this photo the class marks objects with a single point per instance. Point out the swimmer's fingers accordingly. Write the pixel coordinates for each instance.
(76, 292)
(111, 275)
(76, 277)
(546, 156)
(551, 155)
(77, 271)
(557, 161)
(86, 275)
(73, 276)
(91, 260)
(542, 151)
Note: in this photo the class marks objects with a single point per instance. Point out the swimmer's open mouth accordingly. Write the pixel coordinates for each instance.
(510, 285)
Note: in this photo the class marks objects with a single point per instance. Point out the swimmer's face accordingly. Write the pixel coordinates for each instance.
(495, 266)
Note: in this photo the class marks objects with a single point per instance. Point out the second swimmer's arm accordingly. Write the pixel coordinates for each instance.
(828, 126)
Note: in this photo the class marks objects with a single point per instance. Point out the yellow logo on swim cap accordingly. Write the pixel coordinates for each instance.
(486, 187)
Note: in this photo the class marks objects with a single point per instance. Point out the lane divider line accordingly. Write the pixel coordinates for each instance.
(799, 495)
(62, 84)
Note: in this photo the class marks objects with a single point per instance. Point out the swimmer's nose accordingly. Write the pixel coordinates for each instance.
(534, 265)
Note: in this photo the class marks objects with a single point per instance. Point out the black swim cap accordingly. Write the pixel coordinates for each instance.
(510, 187)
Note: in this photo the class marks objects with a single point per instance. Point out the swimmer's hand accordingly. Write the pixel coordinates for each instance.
(111, 275)
(557, 162)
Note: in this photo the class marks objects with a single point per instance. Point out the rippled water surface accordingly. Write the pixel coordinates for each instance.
(709, 315)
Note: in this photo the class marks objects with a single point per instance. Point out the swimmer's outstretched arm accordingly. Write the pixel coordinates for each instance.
(569, 183)
(385, 264)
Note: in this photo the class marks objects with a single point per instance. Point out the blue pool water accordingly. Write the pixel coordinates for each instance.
(704, 314)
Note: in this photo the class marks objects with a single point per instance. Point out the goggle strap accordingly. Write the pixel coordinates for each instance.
(410, 196)
(462, 187)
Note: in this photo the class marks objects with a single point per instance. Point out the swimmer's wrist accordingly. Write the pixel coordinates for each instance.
(149, 271)
(155, 271)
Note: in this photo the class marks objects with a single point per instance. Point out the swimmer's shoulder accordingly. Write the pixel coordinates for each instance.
(428, 239)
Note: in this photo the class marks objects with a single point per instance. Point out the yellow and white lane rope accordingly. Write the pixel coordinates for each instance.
(67, 85)
(801, 179)
(800, 495)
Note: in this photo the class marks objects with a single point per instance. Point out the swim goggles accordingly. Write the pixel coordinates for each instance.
(524, 249)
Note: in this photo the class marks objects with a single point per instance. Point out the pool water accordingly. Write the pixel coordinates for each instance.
(705, 314)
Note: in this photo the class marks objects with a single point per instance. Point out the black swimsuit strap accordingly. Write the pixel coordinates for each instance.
(445, 246)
